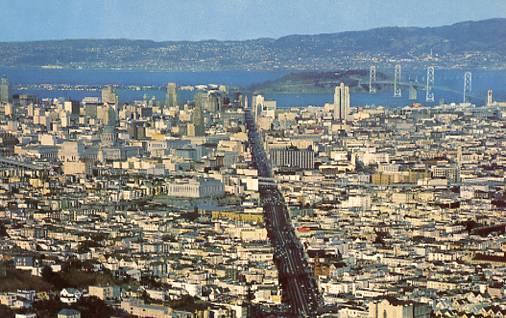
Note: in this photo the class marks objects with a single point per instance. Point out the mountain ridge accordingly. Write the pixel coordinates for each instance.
(463, 44)
(466, 22)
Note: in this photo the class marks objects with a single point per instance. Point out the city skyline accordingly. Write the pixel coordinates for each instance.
(225, 20)
(336, 175)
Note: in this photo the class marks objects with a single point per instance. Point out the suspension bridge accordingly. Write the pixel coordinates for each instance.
(400, 86)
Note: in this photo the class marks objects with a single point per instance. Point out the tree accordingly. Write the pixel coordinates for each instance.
(3, 231)
(47, 273)
(52, 278)
(93, 307)
(72, 263)
(6, 312)
(47, 308)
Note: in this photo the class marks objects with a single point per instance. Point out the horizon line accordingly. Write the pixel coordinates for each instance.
(249, 39)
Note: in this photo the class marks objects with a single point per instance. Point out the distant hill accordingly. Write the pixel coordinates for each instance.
(461, 45)
(315, 82)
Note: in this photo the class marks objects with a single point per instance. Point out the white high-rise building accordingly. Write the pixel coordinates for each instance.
(257, 104)
(109, 95)
(171, 98)
(341, 102)
(490, 97)
(269, 109)
(245, 102)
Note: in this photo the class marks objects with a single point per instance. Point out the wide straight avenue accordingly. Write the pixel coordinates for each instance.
(300, 291)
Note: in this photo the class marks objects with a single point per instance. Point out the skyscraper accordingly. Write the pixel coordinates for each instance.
(109, 95)
(214, 102)
(171, 98)
(341, 102)
(257, 104)
(201, 100)
(198, 115)
(109, 116)
(4, 90)
(245, 102)
(490, 97)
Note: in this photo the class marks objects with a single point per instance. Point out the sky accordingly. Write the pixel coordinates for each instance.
(162, 20)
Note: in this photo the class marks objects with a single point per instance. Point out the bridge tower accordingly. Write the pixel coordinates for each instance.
(468, 81)
(397, 79)
(429, 86)
(372, 79)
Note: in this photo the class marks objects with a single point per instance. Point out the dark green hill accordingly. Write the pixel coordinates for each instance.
(316, 82)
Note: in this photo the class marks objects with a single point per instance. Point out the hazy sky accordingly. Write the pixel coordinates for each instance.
(22, 20)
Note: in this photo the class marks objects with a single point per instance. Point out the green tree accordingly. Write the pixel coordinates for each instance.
(52, 278)
(93, 307)
(3, 230)
(6, 312)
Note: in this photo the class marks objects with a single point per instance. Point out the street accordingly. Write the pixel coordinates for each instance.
(300, 290)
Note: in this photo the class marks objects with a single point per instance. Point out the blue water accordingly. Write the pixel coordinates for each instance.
(449, 85)
(102, 77)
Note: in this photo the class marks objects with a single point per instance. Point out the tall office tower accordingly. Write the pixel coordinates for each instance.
(198, 116)
(109, 95)
(245, 102)
(72, 107)
(269, 109)
(171, 98)
(490, 97)
(214, 102)
(257, 104)
(109, 116)
(4, 90)
(9, 110)
(341, 102)
(202, 100)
